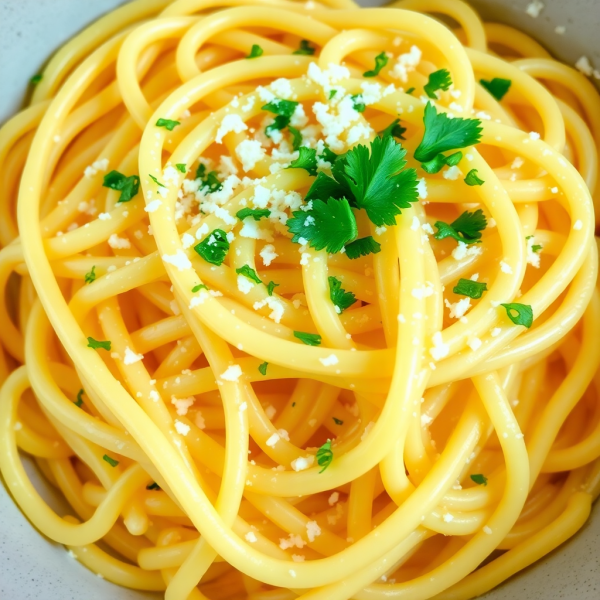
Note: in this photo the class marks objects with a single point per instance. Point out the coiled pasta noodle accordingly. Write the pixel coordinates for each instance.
(194, 446)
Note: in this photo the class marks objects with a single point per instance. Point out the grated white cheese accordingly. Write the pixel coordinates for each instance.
(329, 361)
(232, 373)
(506, 268)
(474, 343)
(181, 428)
(179, 260)
(583, 65)
(273, 440)
(249, 152)
(251, 537)
(302, 463)
(533, 258)
(406, 63)
(268, 254)
(333, 498)
(534, 8)
(458, 309)
(95, 167)
(232, 122)
(131, 357)
(422, 188)
(293, 541)
(277, 308)
(153, 206)
(114, 241)
(463, 250)
(182, 404)
(452, 173)
(312, 530)
(244, 284)
(440, 349)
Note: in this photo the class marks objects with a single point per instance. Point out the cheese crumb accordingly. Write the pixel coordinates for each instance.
(329, 361)
(131, 357)
(153, 206)
(474, 343)
(232, 373)
(182, 428)
(249, 152)
(312, 530)
(506, 268)
(487, 530)
(179, 260)
(578, 225)
(440, 349)
(268, 254)
(583, 65)
(273, 440)
(277, 308)
(182, 404)
(534, 8)
(244, 284)
(302, 463)
(251, 537)
(232, 122)
(333, 498)
(114, 241)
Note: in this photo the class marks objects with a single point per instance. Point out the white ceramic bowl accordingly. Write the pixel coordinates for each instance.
(32, 567)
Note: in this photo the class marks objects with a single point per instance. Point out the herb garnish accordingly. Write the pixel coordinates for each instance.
(362, 247)
(128, 186)
(380, 61)
(97, 345)
(497, 87)
(167, 124)
(467, 228)
(111, 461)
(468, 287)
(324, 455)
(472, 179)
(255, 51)
(256, 213)
(90, 276)
(249, 273)
(479, 479)
(305, 48)
(263, 368)
(340, 297)
(519, 314)
(310, 339)
(79, 401)
(307, 160)
(214, 247)
(438, 80)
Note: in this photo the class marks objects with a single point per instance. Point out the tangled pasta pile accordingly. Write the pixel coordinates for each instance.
(300, 299)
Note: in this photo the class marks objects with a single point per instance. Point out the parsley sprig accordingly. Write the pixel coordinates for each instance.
(111, 461)
(380, 61)
(209, 182)
(307, 159)
(362, 247)
(472, 178)
(284, 110)
(394, 129)
(214, 247)
(79, 402)
(249, 273)
(339, 296)
(262, 368)
(438, 80)
(90, 276)
(467, 228)
(128, 186)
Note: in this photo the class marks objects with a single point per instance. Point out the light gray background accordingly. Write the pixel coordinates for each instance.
(32, 567)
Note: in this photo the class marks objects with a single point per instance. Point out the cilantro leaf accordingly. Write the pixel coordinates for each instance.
(362, 247)
(153, 486)
(467, 287)
(209, 181)
(255, 51)
(497, 87)
(438, 80)
(380, 61)
(306, 160)
(214, 247)
(305, 48)
(271, 287)
(377, 181)
(281, 107)
(472, 179)
(357, 102)
(167, 124)
(111, 461)
(326, 187)
(328, 225)
(262, 368)
(479, 479)
(328, 155)
(90, 276)
(467, 228)
(394, 129)
(36, 79)
(128, 186)
(519, 314)
(199, 287)
(443, 134)
(256, 213)
(248, 272)
(79, 400)
(337, 421)
(340, 297)
(97, 345)
(310, 339)
(181, 167)
(324, 455)
(157, 182)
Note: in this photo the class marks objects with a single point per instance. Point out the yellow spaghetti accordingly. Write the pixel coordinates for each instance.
(262, 357)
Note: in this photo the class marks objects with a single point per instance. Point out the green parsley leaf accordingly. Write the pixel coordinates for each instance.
(280, 122)
(79, 400)
(438, 80)
(394, 129)
(310, 339)
(467, 228)
(256, 213)
(296, 137)
(536, 248)
(255, 51)
(337, 421)
(326, 187)
(128, 186)
(90, 276)
(377, 180)
(111, 461)
(97, 345)
(271, 287)
(340, 297)
(305, 48)
(181, 167)
(454, 159)
(153, 486)
(306, 160)
(467, 287)
(410, 90)
(328, 155)
(157, 182)
(214, 247)
(36, 79)
(263, 368)
(324, 455)
(497, 87)
(248, 272)
(199, 287)
(167, 124)
(443, 134)
(472, 179)
(435, 165)
(362, 247)
(281, 107)
(329, 225)
(332, 94)
(380, 61)
(357, 102)
(209, 181)
(519, 314)
(479, 479)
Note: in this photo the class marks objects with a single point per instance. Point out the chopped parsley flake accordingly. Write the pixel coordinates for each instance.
(181, 167)
(467, 228)
(310, 339)
(394, 130)
(214, 247)
(167, 124)
(255, 51)
(536, 248)
(90, 276)
(305, 48)
(479, 479)
(467, 287)
(128, 186)
(209, 181)
(438, 80)
(285, 108)
(497, 87)
(306, 160)
(271, 287)
(97, 345)
(380, 61)
(248, 272)
(357, 102)
(337, 421)
(199, 287)
(329, 155)
(443, 134)
(472, 179)
(157, 182)
(454, 159)
(362, 247)
(256, 213)
(324, 455)
(341, 298)
(519, 314)
(332, 94)
(329, 225)
(296, 137)
(111, 461)
(263, 368)
(410, 90)
(36, 79)
(79, 401)
(153, 486)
